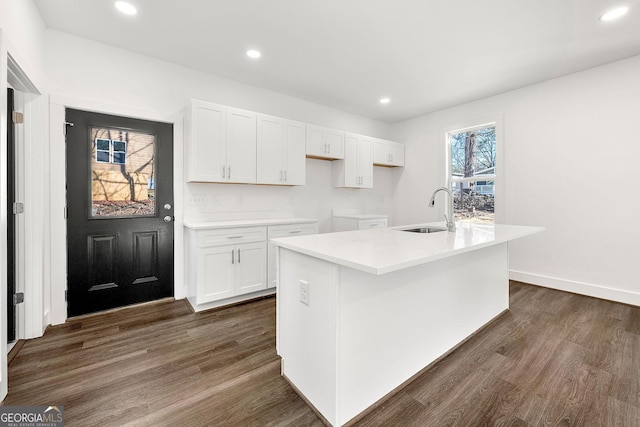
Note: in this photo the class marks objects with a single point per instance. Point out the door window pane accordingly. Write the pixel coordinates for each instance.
(122, 173)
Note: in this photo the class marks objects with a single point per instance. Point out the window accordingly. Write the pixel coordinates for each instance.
(123, 173)
(111, 151)
(472, 172)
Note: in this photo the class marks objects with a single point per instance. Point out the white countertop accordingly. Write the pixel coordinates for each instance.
(384, 250)
(247, 223)
(360, 216)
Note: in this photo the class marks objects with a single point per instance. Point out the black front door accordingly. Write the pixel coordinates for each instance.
(119, 211)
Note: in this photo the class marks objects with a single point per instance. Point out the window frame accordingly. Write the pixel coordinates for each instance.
(111, 152)
(497, 177)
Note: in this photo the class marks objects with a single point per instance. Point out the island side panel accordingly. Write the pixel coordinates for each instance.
(307, 333)
(393, 325)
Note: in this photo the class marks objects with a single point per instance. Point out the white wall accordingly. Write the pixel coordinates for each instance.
(90, 75)
(571, 148)
(84, 69)
(22, 25)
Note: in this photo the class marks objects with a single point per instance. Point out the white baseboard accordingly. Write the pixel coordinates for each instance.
(597, 291)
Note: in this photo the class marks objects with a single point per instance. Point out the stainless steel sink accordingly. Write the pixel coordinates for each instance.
(424, 230)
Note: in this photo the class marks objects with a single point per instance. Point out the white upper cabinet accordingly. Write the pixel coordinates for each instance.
(281, 151)
(388, 153)
(356, 170)
(241, 146)
(324, 143)
(221, 144)
(206, 145)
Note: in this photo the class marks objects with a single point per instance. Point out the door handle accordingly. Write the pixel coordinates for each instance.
(167, 218)
(238, 256)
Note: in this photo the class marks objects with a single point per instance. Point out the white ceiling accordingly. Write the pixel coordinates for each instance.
(424, 54)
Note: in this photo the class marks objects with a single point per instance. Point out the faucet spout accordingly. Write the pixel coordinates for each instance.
(451, 225)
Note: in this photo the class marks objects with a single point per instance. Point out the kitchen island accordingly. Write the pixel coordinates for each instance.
(359, 313)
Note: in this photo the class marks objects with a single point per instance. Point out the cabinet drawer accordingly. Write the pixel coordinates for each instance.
(291, 230)
(231, 236)
(372, 223)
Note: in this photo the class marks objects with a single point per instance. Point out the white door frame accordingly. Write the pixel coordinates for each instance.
(30, 174)
(57, 106)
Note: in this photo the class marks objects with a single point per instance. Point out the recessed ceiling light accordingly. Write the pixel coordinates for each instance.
(126, 8)
(614, 13)
(385, 100)
(252, 53)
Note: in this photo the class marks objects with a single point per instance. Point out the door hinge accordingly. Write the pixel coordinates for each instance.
(65, 212)
(18, 298)
(17, 117)
(64, 128)
(18, 208)
(65, 295)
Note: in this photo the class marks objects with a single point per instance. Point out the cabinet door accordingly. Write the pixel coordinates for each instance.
(271, 150)
(397, 154)
(388, 153)
(316, 141)
(206, 144)
(351, 177)
(241, 146)
(215, 276)
(365, 163)
(295, 159)
(335, 143)
(251, 267)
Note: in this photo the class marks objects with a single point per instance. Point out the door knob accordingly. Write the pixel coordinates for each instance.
(167, 218)
(167, 206)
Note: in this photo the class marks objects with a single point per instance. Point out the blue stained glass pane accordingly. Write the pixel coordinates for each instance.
(102, 156)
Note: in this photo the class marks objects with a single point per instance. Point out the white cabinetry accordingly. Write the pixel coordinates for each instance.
(324, 143)
(281, 151)
(226, 264)
(289, 230)
(221, 144)
(356, 170)
(358, 222)
(223, 263)
(388, 153)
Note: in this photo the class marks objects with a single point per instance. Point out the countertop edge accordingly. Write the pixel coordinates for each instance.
(523, 232)
(205, 225)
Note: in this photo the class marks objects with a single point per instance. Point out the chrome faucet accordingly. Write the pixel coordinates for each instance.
(451, 225)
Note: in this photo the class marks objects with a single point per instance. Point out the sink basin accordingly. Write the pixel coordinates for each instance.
(424, 230)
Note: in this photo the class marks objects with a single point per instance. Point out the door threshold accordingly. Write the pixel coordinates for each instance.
(14, 349)
(114, 310)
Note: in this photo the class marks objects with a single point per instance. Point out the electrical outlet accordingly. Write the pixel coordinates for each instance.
(197, 200)
(304, 292)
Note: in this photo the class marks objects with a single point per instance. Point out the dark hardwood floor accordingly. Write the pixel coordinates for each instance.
(554, 359)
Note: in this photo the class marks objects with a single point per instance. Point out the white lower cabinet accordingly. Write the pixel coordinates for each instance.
(228, 265)
(276, 231)
(250, 267)
(224, 264)
(358, 223)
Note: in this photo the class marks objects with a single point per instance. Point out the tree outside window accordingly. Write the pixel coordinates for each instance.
(472, 173)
